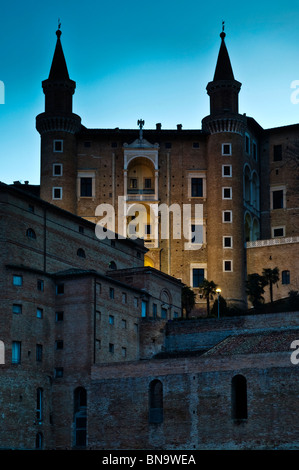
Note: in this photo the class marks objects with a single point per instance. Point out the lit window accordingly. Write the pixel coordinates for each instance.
(111, 293)
(111, 319)
(40, 285)
(39, 404)
(143, 308)
(111, 348)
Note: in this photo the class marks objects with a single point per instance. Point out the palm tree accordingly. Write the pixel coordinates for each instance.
(188, 300)
(255, 288)
(208, 289)
(271, 277)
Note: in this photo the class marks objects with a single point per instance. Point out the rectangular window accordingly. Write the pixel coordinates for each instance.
(175, 314)
(247, 143)
(58, 146)
(254, 150)
(196, 234)
(39, 313)
(196, 187)
(86, 187)
(56, 193)
(39, 352)
(227, 216)
(133, 184)
(226, 149)
(57, 169)
(227, 242)
(58, 316)
(155, 310)
(147, 183)
(58, 372)
(40, 285)
(163, 313)
(16, 352)
(111, 348)
(111, 319)
(124, 298)
(277, 199)
(17, 280)
(226, 193)
(124, 352)
(277, 153)
(58, 344)
(60, 289)
(227, 265)
(98, 344)
(135, 301)
(197, 276)
(17, 309)
(147, 229)
(285, 277)
(143, 308)
(278, 232)
(226, 171)
(39, 404)
(111, 293)
(124, 324)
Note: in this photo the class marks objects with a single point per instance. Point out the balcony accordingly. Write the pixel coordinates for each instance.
(141, 195)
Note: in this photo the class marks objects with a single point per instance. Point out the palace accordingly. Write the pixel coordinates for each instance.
(244, 178)
(94, 352)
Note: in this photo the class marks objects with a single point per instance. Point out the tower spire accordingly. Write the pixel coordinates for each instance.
(224, 89)
(58, 69)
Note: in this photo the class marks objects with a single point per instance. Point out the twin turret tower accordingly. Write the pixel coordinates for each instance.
(217, 167)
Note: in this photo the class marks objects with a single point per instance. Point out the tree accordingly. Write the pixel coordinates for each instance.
(255, 288)
(271, 277)
(208, 289)
(188, 300)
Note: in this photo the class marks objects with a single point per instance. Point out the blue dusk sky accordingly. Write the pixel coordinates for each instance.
(149, 60)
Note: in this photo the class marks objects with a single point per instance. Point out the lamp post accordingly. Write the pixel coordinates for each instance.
(218, 290)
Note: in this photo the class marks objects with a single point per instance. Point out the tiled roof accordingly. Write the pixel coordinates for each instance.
(255, 343)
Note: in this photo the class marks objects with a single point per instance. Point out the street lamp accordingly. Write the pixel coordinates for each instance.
(218, 290)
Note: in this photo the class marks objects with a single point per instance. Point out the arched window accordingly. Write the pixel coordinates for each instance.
(80, 417)
(81, 253)
(39, 440)
(239, 397)
(247, 227)
(30, 233)
(112, 265)
(156, 402)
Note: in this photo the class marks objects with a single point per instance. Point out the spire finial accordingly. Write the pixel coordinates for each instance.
(222, 34)
(58, 32)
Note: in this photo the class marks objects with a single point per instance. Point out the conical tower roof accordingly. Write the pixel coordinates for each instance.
(223, 69)
(58, 69)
